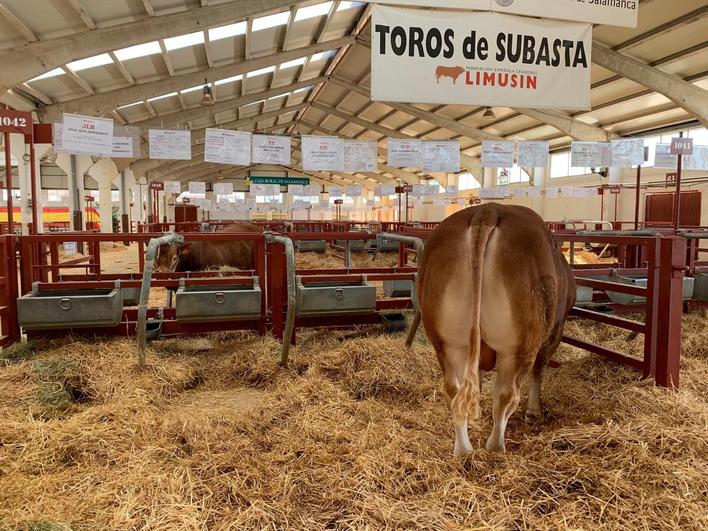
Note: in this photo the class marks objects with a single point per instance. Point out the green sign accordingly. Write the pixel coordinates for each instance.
(278, 180)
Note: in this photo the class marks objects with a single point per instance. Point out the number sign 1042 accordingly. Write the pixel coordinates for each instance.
(15, 122)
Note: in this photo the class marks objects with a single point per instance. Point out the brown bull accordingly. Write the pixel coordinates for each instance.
(453, 72)
(205, 254)
(494, 288)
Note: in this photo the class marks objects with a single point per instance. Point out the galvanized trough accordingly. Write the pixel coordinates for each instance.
(66, 309)
(218, 303)
(626, 299)
(312, 246)
(700, 286)
(335, 298)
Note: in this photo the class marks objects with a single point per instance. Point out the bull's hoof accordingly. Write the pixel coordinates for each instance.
(533, 417)
(494, 445)
(461, 450)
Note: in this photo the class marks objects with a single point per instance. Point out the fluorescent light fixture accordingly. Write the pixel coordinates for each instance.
(182, 41)
(348, 5)
(270, 21)
(51, 73)
(193, 89)
(130, 104)
(229, 80)
(139, 50)
(232, 30)
(163, 96)
(261, 71)
(294, 62)
(90, 62)
(323, 55)
(316, 10)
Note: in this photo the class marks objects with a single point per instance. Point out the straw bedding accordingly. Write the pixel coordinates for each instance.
(355, 434)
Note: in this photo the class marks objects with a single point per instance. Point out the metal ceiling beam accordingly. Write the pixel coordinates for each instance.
(166, 59)
(572, 127)
(689, 97)
(20, 26)
(173, 118)
(107, 101)
(121, 67)
(26, 62)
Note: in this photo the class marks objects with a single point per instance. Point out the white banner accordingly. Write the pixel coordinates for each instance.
(264, 189)
(441, 155)
(663, 157)
(534, 191)
(313, 189)
(533, 154)
(627, 152)
(86, 134)
(359, 155)
(611, 12)
(335, 191)
(423, 189)
(497, 192)
(322, 153)
(223, 189)
(479, 59)
(173, 187)
(126, 142)
(197, 187)
(271, 149)
(697, 161)
(384, 190)
(353, 190)
(170, 144)
(585, 192)
(497, 154)
(227, 147)
(296, 189)
(590, 154)
(405, 153)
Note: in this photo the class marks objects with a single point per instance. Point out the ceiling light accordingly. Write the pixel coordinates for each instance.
(489, 113)
(207, 96)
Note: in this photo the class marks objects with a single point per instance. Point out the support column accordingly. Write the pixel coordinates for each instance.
(612, 200)
(19, 150)
(489, 177)
(39, 151)
(105, 205)
(539, 180)
(124, 202)
(77, 218)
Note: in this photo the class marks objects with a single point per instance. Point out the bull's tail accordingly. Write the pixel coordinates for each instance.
(466, 401)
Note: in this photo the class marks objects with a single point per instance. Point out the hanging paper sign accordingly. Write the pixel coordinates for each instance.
(335, 191)
(519, 192)
(441, 155)
(627, 152)
(265, 189)
(170, 144)
(222, 202)
(534, 191)
(313, 189)
(497, 154)
(590, 154)
(122, 147)
(533, 154)
(384, 190)
(173, 187)
(663, 157)
(697, 161)
(223, 188)
(497, 192)
(479, 59)
(86, 134)
(359, 155)
(567, 191)
(585, 192)
(224, 146)
(322, 153)
(271, 149)
(451, 190)
(197, 187)
(552, 193)
(405, 153)
(354, 190)
(296, 189)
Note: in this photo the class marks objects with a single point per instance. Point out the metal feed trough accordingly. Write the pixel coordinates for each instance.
(700, 286)
(313, 246)
(335, 297)
(398, 288)
(218, 303)
(626, 299)
(66, 309)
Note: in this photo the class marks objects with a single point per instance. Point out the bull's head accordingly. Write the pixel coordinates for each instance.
(166, 259)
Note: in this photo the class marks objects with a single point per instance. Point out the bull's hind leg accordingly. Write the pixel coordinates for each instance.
(534, 412)
(454, 363)
(507, 394)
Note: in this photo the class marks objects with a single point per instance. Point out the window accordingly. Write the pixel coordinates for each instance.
(261, 71)
(316, 10)
(466, 181)
(57, 196)
(512, 175)
(294, 62)
(270, 21)
(322, 55)
(560, 166)
(139, 50)
(90, 62)
(51, 73)
(115, 196)
(182, 41)
(348, 5)
(163, 96)
(232, 30)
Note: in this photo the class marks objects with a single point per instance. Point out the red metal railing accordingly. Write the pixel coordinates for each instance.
(9, 329)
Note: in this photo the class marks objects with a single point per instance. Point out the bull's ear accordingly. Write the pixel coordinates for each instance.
(186, 248)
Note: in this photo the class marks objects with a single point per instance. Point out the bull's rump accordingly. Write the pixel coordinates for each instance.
(525, 279)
